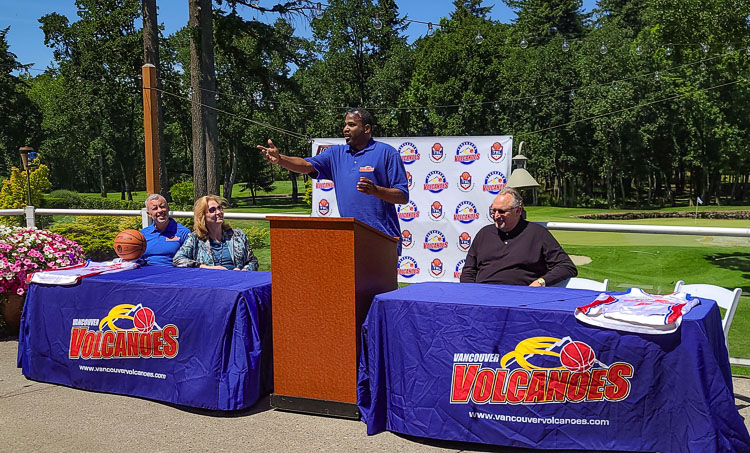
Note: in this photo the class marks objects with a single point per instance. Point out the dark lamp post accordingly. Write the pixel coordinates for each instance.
(25, 150)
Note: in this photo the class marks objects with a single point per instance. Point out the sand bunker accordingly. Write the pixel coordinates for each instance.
(580, 260)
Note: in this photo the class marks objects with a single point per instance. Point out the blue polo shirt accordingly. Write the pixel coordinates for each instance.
(378, 162)
(161, 246)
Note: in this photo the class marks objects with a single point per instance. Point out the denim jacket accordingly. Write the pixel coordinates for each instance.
(195, 251)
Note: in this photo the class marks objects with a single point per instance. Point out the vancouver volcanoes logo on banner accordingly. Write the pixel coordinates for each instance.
(127, 332)
(464, 241)
(465, 183)
(467, 153)
(409, 181)
(494, 182)
(407, 239)
(324, 184)
(459, 268)
(436, 211)
(436, 268)
(407, 212)
(435, 182)
(435, 241)
(466, 212)
(540, 370)
(321, 148)
(437, 153)
(409, 153)
(407, 267)
(496, 152)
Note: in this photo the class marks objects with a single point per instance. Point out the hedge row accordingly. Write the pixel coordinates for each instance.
(65, 199)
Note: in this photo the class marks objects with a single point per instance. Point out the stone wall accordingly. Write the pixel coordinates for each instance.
(743, 215)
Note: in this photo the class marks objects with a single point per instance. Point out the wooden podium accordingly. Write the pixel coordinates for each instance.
(324, 274)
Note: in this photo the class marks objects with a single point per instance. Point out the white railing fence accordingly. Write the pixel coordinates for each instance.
(30, 212)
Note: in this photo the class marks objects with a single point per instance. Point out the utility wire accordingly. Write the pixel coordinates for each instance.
(520, 134)
(634, 107)
(498, 101)
(294, 134)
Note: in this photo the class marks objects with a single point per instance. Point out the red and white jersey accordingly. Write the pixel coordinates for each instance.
(72, 274)
(637, 311)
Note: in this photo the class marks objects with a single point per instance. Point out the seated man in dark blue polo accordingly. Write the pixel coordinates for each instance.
(513, 251)
(369, 176)
(165, 236)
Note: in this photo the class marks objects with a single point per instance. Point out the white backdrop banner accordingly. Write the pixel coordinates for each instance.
(452, 181)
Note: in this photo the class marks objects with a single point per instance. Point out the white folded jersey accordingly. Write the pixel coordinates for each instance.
(72, 274)
(637, 311)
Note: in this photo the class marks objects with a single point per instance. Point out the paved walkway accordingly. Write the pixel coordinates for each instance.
(36, 416)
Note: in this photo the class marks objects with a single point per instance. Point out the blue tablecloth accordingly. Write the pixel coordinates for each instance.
(197, 337)
(486, 363)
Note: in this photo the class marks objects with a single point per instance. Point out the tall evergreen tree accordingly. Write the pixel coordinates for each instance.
(19, 118)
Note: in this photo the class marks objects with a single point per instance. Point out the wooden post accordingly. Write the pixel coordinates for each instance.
(151, 128)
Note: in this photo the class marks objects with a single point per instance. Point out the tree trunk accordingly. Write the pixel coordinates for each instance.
(125, 185)
(230, 178)
(102, 191)
(199, 146)
(572, 191)
(151, 56)
(208, 83)
(295, 192)
(714, 184)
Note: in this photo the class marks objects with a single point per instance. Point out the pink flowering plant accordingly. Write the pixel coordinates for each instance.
(27, 250)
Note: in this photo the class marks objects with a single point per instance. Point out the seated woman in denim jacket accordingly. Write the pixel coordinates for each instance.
(214, 244)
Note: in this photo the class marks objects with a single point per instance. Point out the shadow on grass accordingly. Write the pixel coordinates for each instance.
(735, 262)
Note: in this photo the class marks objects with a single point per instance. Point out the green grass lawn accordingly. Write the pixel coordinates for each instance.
(279, 188)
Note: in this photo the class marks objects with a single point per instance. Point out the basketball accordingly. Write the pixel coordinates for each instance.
(130, 244)
(144, 320)
(577, 357)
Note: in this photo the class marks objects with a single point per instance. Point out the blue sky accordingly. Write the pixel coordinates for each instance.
(27, 40)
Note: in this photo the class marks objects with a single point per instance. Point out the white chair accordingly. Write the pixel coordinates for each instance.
(725, 298)
(583, 283)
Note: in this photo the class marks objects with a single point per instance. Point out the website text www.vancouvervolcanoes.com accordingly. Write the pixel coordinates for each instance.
(538, 420)
(128, 371)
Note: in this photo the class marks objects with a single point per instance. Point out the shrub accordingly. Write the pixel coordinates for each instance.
(60, 199)
(257, 237)
(308, 192)
(14, 192)
(186, 221)
(65, 199)
(182, 196)
(95, 234)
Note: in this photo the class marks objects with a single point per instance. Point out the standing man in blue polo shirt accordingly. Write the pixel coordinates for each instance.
(165, 236)
(369, 176)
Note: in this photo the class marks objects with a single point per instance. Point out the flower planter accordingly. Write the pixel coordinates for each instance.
(23, 251)
(10, 311)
